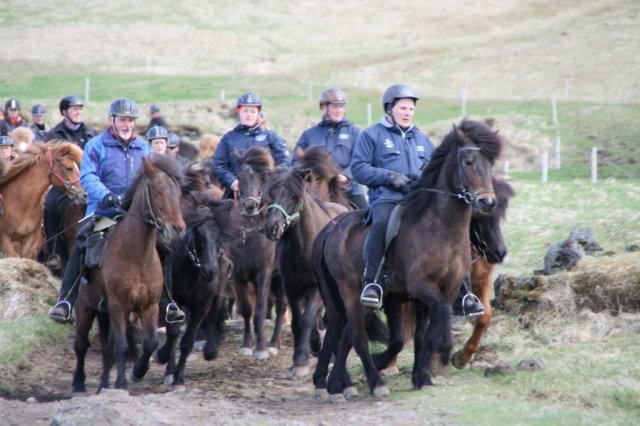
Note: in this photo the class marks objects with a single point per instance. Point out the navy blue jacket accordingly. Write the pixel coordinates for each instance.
(336, 138)
(384, 147)
(237, 142)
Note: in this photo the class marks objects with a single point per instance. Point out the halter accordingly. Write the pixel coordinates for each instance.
(288, 218)
(462, 191)
(66, 182)
(257, 199)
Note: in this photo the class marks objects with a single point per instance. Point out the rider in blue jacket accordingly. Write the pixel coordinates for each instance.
(109, 164)
(387, 158)
(336, 135)
(246, 134)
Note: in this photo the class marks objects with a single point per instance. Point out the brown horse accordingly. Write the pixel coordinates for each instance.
(23, 185)
(426, 261)
(323, 175)
(130, 280)
(295, 216)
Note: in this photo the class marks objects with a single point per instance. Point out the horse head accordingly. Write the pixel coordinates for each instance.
(323, 176)
(64, 169)
(284, 195)
(477, 147)
(255, 167)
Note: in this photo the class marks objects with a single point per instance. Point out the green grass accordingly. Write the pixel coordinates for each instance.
(20, 336)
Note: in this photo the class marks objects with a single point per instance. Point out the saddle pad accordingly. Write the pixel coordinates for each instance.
(102, 223)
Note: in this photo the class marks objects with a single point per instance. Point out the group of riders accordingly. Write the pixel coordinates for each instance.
(387, 158)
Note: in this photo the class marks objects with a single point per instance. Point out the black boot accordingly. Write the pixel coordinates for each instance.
(61, 312)
(372, 295)
(467, 304)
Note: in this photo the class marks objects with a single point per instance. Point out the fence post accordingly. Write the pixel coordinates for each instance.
(594, 164)
(505, 169)
(465, 95)
(87, 90)
(222, 95)
(545, 167)
(557, 148)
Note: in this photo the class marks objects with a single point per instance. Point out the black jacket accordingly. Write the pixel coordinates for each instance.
(80, 136)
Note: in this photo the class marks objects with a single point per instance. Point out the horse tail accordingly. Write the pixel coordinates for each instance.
(325, 279)
(377, 329)
(408, 320)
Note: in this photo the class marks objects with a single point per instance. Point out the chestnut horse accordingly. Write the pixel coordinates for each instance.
(23, 186)
(426, 261)
(295, 216)
(131, 277)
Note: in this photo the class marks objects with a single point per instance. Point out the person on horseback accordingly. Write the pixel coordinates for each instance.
(157, 137)
(12, 118)
(337, 135)
(246, 134)
(387, 158)
(7, 147)
(109, 165)
(38, 125)
(156, 118)
(173, 145)
(70, 129)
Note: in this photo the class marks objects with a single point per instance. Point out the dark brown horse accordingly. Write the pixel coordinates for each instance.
(295, 216)
(426, 261)
(323, 175)
(254, 256)
(131, 277)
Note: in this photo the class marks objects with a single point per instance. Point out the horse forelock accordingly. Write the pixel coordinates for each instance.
(287, 178)
(68, 149)
(503, 192)
(480, 134)
(259, 159)
(319, 162)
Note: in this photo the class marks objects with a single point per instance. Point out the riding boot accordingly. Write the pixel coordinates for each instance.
(52, 228)
(172, 312)
(61, 311)
(467, 304)
(373, 291)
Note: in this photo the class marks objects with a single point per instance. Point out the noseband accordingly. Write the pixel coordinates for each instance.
(461, 190)
(66, 182)
(288, 218)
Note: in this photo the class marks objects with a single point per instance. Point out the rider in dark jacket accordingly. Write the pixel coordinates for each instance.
(387, 158)
(70, 129)
(38, 125)
(246, 134)
(12, 118)
(336, 135)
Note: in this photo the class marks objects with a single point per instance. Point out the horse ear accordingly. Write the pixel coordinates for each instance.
(149, 167)
(300, 154)
(305, 173)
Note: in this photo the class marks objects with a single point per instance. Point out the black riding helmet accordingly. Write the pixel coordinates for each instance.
(173, 140)
(38, 109)
(395, 93)
(12, 103)
(249, 99)
(157, 132)
(6, 141)
(69, 101)
(123, 107)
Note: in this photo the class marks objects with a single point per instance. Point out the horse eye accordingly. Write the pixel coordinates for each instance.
(468, 162)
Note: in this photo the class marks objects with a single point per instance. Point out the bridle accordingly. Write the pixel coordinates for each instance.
(288, 218)
(64, 179)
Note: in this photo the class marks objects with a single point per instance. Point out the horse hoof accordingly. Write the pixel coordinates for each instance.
(168, 379)
(199, 345)
(350, 392)
(300, 371)
(390, 371)
(337, 398)
(133, 377)
(82, 394)
(261, 355)
(381, 391)
(179, 388)
(246, 351)
(456, 360)
(322, 394)
(273, 351)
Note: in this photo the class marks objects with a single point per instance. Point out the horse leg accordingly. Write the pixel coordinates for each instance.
(306, 321)
(262, 286)
(281, 310)
(186, 343)
(84, 319)
(481, 281)
(150, 343)
(213, 325)
(420, 375)
(107, 359)
(166, 353)
(244, 303)
(118, 338)
(7, 246)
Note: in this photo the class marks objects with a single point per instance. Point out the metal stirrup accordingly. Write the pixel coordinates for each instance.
(370, 302)
(68, 304)
(475, 300)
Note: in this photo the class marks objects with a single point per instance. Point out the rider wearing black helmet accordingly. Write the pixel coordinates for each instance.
(157, 137)
(7, 146)
(337, 135)
(156, 118)
(38, 125)
(12, 118)
(173, 145)
(70, 129)
(246, 134)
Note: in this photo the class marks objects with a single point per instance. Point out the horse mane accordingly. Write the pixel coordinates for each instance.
(165, 163)
(504, 192)
(319, 162)
(291, 179)
(194, 179)
(479, 133)
(221, 211)
(4, 164)
(38, 151)
(259, 159)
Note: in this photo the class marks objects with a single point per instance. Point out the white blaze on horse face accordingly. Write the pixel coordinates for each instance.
(334, 112)
(248, 115)
(403, 111)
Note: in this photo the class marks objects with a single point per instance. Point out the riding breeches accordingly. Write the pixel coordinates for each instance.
(374, 244)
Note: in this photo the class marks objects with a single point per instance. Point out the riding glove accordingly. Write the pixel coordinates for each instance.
(112, 200)
(398, 181)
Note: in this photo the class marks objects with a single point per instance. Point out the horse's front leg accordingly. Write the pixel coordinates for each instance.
(262, 286)
(244, 303)
(84, 319)
(481, 279)
(166, 353)
(7, 246)
(189, 337)
(281, 310)
(150, 343)
(309, 327)
(120, 344)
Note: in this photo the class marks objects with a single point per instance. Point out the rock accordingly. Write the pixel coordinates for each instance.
(501, 369)
(530, 365)
(565, 255)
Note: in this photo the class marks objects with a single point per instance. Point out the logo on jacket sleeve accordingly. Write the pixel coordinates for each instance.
(420, 148)
(260, 138)
(343, 136)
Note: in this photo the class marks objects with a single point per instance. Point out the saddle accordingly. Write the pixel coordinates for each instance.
(97, 241)
(393, 228)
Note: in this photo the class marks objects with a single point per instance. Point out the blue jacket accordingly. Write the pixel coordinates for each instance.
(237, 141)
(336, 138)
(384, 147)
(110, 166)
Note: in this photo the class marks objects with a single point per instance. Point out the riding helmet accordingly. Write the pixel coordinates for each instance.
(249, 99)
(157, 132)
(155, 108)
(123, 107)
(12, 103)
(69, 101)
(173, 140)
(332, 95)
(395, 93)
(38, 109)
(6, 141)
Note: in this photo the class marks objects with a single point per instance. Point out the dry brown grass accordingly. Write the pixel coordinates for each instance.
(25, 288)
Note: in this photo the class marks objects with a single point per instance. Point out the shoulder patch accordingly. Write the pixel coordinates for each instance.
(343, 136)
(260, 138)
(388, 143)
(420, 148)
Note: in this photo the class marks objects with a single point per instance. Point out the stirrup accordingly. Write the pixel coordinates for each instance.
(54, 262)
(60, 318)
(474, 299)
(368, 301)
(173, 308)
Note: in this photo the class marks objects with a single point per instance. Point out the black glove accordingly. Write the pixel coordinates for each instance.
(112, 200)
(398, 181)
